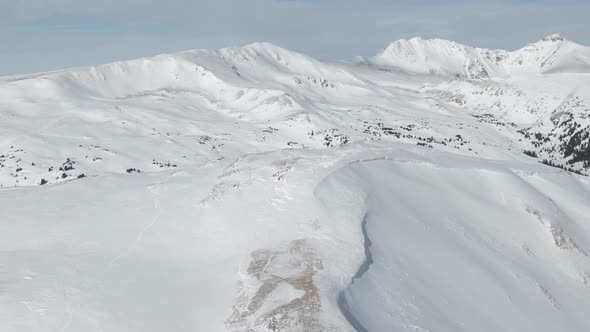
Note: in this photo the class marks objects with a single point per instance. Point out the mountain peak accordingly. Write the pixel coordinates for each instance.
(263, 46)
(420, 42)
(553, 38)
(418, 55)
(265, 49)
(553, 53)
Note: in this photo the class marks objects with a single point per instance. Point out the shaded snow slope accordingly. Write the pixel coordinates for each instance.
(259, 189)
(477, 257)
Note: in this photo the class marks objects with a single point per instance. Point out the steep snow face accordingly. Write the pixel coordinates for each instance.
(552, 54)
(259, 189)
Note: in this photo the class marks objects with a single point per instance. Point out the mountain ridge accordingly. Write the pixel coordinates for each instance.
(265, 83)
(552, 53)
(272, 50)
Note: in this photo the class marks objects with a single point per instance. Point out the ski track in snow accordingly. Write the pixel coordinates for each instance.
(141, 233)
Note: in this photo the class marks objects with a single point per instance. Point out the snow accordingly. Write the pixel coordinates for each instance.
(552, 54)
(482, 265)
(259, 189)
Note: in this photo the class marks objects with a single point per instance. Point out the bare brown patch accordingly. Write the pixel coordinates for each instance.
(294, 266)
(560, 238)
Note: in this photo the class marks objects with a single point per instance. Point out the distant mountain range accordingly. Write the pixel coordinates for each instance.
(552, 54)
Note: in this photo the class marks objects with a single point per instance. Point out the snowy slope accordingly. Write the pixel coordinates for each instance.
(259, 189)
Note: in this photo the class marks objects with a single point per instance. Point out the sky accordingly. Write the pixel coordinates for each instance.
(42, 35)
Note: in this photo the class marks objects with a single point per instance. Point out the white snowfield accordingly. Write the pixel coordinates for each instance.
(258, 189)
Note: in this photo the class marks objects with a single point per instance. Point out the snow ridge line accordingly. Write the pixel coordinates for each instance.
(362, 270)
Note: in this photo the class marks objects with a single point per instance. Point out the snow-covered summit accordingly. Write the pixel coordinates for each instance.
(554, 38)
(433, 56)
(551, 54)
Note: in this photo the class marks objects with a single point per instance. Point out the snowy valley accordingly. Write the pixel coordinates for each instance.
(432, 187)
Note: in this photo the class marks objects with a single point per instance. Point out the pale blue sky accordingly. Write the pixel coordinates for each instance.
(40, 35)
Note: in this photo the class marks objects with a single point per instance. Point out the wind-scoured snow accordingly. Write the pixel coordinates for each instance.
(433, 187)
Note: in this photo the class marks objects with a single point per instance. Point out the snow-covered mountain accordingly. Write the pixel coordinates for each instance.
(260, 189)
(552, 54)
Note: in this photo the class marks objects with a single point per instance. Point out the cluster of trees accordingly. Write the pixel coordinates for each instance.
(578, 147)
(569, 169)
